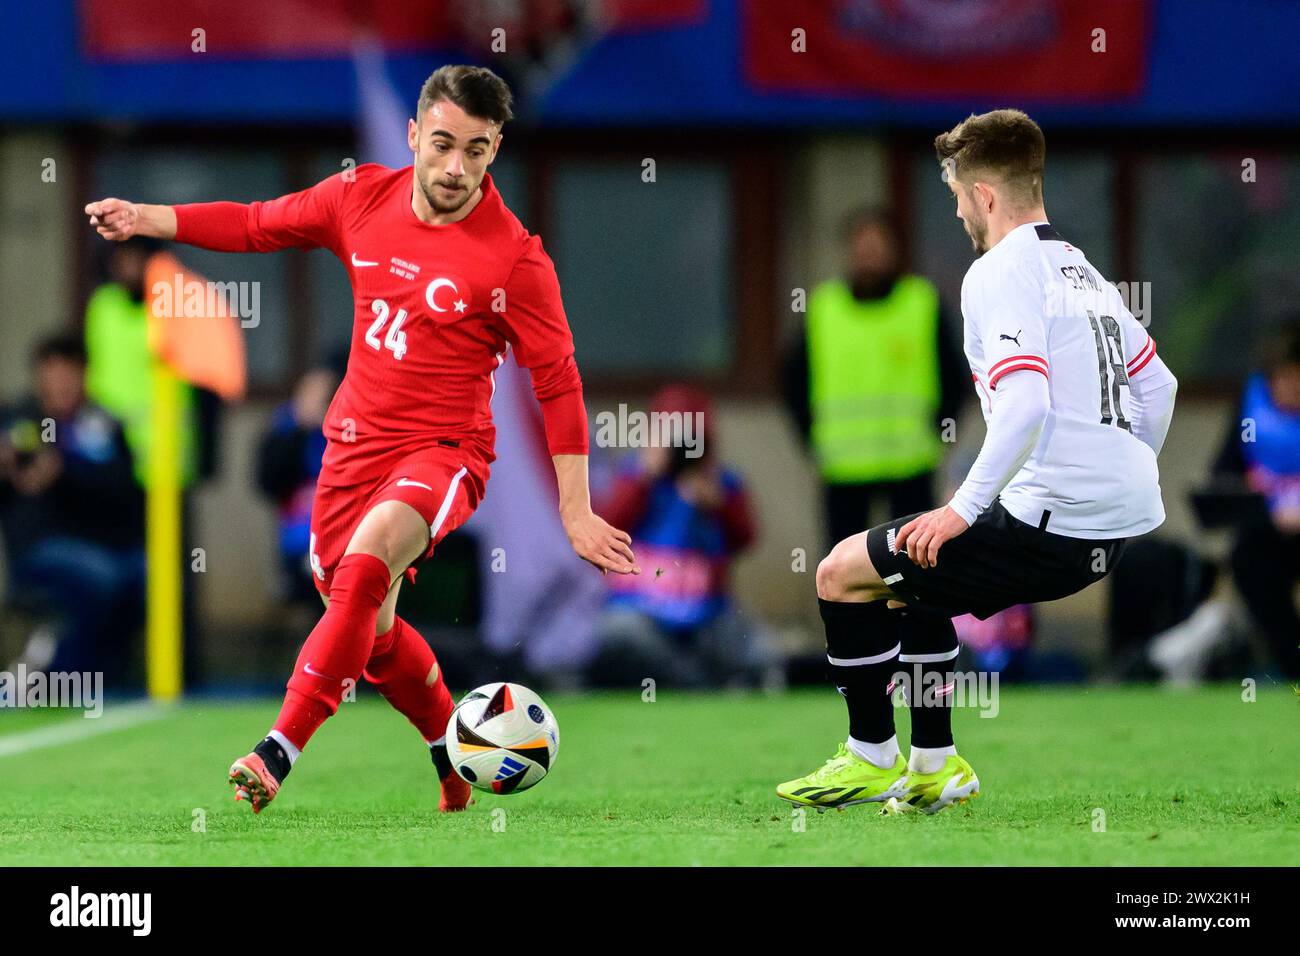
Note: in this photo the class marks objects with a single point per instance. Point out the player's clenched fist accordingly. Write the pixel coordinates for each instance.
(118, 220)
(601, 544)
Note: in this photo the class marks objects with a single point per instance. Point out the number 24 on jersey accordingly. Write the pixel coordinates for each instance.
(395, 340)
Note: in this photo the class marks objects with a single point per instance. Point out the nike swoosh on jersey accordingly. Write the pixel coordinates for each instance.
(361, 262)
(417, 484)
(315, 673)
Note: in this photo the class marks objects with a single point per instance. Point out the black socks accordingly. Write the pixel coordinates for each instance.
(862, 642)
(929, 658)
(441, 762)
(273, 755)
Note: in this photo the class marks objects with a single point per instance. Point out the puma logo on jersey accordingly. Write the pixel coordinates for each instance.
(360, 263)
(1011, 338)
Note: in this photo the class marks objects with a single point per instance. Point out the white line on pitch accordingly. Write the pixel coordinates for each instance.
(74, 729)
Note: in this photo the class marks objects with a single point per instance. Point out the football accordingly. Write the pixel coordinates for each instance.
(502, 738)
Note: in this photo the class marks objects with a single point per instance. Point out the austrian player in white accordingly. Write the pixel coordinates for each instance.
(1077, 405)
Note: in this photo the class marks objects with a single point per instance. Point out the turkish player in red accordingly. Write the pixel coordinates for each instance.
(446, 283)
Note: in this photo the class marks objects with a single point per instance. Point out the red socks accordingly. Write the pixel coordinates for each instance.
(337, 648)
(343, 645)
(404, 669)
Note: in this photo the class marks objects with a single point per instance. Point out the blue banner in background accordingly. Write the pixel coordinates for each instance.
(1203, 63)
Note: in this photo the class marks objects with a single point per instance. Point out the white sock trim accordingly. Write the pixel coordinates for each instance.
(292, 752)
(860, 661)
(928, 658)
(883, 755)
(929, 759)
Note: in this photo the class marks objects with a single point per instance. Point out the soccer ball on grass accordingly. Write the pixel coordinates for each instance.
(502, 738)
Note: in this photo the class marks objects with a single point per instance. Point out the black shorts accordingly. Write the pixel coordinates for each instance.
(997, 562)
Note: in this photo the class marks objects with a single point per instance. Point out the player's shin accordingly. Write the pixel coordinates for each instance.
(405, 671)
(337, 649)
(928, 658)
(862, 646)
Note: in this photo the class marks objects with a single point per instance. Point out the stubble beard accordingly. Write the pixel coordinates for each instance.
(978, 233)
(440, 207)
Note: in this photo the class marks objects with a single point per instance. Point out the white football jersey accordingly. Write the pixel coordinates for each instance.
(1034, 302)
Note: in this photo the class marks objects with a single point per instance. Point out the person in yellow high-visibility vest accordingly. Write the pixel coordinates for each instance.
(119, 373)
(872, 380)
(163, 369)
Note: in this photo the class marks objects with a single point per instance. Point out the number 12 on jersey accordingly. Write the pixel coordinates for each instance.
(395, 340)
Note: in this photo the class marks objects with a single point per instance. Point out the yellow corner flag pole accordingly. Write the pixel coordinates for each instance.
(210, 354)
(164, 627)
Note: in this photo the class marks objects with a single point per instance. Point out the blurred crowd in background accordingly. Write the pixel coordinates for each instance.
(792, 284)
(874, 360)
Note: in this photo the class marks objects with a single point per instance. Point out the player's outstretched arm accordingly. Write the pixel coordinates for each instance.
(303, 220)
(595, 540)
(118, 220)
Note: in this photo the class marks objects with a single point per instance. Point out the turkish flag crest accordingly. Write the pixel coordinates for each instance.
(447, 297)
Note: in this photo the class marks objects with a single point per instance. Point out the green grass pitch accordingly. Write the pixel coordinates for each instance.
(1182, 778)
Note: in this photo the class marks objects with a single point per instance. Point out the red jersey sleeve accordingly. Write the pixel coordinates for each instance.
(302, 220)
(558, 388)
(534, 314)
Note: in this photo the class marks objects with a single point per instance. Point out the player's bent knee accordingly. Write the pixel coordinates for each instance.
(835, 576)
(828, 588)
(846, 574)
(387, 611)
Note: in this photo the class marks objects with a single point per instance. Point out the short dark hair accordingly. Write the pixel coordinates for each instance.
(1005, 144)
(64, 346)
(475, 89)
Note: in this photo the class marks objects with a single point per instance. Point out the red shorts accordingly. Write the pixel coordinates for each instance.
(444, 484)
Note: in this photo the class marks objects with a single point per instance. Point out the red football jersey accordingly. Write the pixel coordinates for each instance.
(435, 307)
